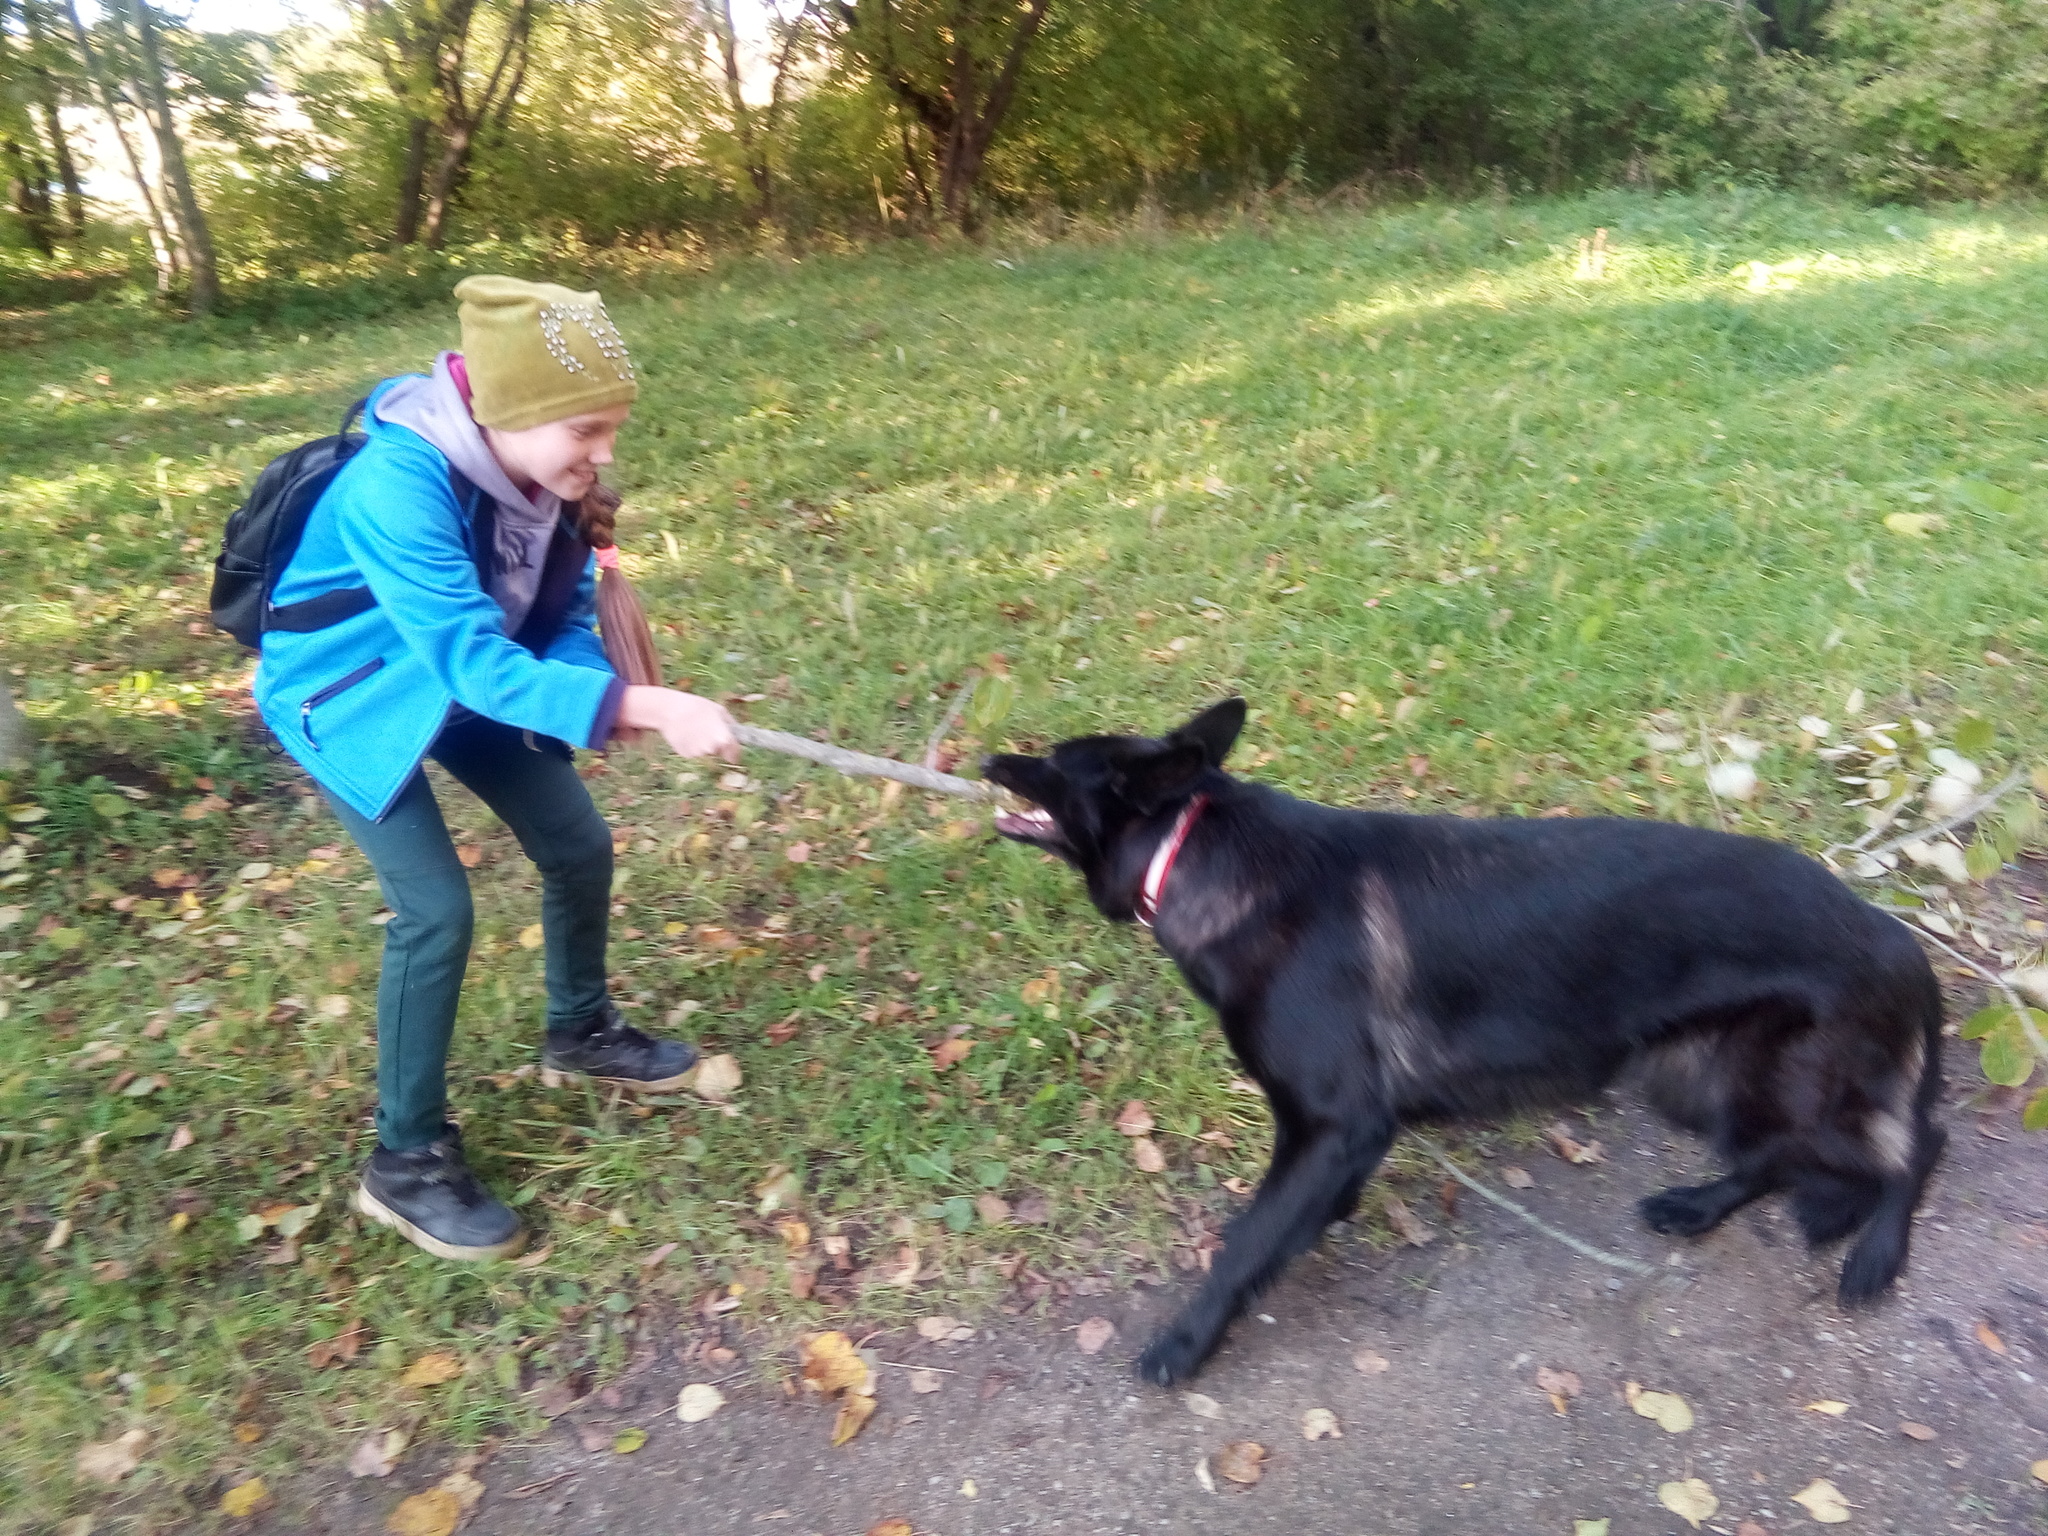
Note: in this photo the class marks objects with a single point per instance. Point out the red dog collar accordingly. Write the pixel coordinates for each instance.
(1161, 866)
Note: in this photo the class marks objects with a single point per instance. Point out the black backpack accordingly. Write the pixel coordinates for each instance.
(264, 532)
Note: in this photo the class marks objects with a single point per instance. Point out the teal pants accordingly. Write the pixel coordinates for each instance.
(534, 789)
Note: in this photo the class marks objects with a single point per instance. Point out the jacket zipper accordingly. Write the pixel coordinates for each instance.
(339, 685)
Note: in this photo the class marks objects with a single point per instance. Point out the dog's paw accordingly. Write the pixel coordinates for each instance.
(1171, 1358)
(1679, 1213)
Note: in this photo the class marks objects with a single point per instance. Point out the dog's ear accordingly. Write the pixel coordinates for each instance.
(1150, 779)
(1214, 730)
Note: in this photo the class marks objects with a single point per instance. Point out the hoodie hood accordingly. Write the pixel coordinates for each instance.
(432, 406)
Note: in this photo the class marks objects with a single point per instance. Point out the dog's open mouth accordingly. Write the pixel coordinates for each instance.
(1031, 822)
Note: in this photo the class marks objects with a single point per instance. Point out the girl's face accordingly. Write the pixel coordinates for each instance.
(563, 456)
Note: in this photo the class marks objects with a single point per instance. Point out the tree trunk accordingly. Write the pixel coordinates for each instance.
(47, 99)
(447, 173)
(160, 247)
(186, 212)
(411, 181)
(28, 184)
(14, 744)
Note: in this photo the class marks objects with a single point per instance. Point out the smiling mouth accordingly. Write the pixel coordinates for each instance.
(1032, 822)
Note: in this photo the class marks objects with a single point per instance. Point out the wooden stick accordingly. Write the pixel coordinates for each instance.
(2012, 998)
(1969, 812)
(1576, 1245)
(840, 760)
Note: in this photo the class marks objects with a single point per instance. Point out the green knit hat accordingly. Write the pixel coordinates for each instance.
(537, 353)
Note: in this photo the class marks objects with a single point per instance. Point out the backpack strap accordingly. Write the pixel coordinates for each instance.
(345, 603)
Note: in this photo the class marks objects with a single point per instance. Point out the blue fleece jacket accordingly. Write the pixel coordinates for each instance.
(358, 704)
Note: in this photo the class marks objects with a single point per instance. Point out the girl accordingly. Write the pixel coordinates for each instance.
(470, 518)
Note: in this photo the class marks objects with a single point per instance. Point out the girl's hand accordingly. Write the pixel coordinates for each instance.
(693, 726)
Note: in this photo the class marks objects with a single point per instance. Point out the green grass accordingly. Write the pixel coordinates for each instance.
(1455, 520)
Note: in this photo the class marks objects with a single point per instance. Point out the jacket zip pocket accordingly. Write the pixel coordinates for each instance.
(339, 685)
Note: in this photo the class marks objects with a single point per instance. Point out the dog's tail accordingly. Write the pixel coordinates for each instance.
(1879, 1255)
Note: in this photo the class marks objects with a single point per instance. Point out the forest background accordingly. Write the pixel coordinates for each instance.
(140, 148)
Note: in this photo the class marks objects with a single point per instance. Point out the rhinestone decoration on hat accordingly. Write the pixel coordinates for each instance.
(596, 325)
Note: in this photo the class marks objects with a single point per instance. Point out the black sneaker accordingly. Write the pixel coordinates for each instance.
(612, 1051)
(431, 1197)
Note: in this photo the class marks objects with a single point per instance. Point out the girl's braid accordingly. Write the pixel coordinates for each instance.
(628, 643)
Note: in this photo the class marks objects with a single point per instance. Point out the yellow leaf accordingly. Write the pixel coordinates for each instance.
(248, 1433)
(1667, 1408)
(1691, 1500)
(890, 1527)
(2040, 1470)
(433, 1513)
(1320, 1424)
(854, 1411)
(629, 1440)
(1828, 1406)
(1242, 1461)
(1823, 1501)
(530, 936)
(431, 1369)
(241, 1501)
(1146, 1154)
(832, 1365)
(1913, 525)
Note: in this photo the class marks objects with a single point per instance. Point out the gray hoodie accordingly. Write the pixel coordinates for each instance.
(434, 408)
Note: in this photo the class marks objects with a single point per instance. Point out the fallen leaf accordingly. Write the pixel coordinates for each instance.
(1242, 1461)
(378, 1452)
(1146, 1154)
(784, 1031)
(1691, 1500)
(1915, 1431)
(469, 855)
(1590, 1527)
(891, 1527)
(344, 1346)
(2040, 1470)
(854, 1411)
(431, 1369)
(1320, 1424)
(1989, 1338)
(1559, 1383)
(1828, 1406)
(831, 1364)
(718, 1078)
(181, 1138)
(60, 1234)
(242, 1500)
(1093, 1333)
(530, 937)
(1371, 1363)
(1750, 1528)
(433, 1513)
(698, 1401)
(1134, 1119)
(1518, 1178)
(1414, 1231)
(1202, 1476)
(924, 1379)
(1570, 1149)
(993, 1209)
(1203, 1404)
(627, 1441)
(108, 1461)
(907, 1267)
(247, 1432)
(334, 1006)
(935, 1329)
(948, 1054)
(1671, 1412)
(1823, 1501)
(467, 1490)
(798, 853)
(659, 1256)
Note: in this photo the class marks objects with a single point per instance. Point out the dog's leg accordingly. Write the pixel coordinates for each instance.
(1691, 1210)
(1285, 1218)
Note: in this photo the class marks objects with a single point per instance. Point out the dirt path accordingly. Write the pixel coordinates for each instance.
(1452, 1438)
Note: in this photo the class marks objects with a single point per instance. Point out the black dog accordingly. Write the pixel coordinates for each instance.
(1374, 971)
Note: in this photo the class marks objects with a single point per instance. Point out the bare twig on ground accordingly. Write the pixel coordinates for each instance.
(1615, 1260)
(952, 718)
(1969, 812)
(2012, 998)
